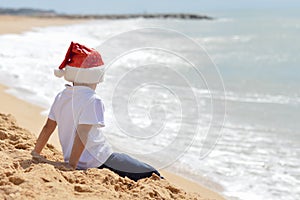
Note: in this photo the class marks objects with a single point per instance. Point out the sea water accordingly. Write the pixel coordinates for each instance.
(153, 114)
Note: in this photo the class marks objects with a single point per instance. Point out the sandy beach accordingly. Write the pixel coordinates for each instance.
(20, 124)
(18, 24)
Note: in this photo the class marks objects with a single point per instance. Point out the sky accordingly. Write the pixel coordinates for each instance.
(148, 6)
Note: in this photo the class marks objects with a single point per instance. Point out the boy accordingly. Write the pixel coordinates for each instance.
(78, 113)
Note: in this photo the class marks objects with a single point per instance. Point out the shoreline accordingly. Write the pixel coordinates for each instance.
(133, 16)
(29, 116)
(52, 14)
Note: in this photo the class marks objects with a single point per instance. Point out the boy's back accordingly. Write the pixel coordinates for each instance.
(80, 105)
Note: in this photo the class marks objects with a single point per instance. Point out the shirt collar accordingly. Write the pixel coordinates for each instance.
(79, 88)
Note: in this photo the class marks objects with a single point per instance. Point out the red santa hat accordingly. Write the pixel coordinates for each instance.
(81, 65)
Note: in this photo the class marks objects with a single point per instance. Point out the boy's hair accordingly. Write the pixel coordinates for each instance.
(83, 84)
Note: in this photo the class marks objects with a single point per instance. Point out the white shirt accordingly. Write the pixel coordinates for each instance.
(80, 105)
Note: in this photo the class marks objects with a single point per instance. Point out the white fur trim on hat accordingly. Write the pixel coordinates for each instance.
(83, 75)
(59, 73)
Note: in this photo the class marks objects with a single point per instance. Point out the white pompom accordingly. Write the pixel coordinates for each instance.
(59, 72)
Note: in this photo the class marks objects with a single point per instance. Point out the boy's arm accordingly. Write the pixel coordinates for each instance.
(79, 143)
(43, 138)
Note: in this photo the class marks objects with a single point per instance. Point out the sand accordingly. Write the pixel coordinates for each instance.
(38, 178)
(20, 175)
(18, 24)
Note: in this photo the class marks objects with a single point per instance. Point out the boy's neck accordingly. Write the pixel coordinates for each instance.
(92, 86)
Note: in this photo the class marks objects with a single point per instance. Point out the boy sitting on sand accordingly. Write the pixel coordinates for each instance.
(78, 113)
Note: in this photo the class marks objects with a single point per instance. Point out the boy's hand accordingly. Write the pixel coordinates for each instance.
(62, 166)
(38, 157)
(34, 153)
(65, 167)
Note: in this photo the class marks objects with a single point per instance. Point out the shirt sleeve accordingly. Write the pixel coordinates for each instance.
(93, 114)
(51, 114)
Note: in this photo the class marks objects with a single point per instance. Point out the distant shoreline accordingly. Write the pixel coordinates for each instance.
(52, 14)
(130, 16)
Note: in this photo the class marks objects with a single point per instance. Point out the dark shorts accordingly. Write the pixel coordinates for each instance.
(124, 165)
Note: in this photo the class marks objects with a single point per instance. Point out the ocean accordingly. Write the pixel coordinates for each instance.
(214, 101)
